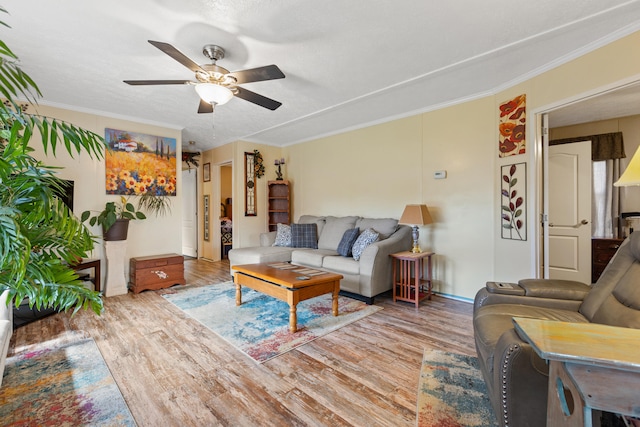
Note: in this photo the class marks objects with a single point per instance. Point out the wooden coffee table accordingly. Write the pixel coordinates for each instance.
(287, 282)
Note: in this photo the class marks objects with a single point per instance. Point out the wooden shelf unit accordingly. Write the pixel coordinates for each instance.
(279, 206)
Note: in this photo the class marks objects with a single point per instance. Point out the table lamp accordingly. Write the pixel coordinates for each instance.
(631, 175)
(415, 215)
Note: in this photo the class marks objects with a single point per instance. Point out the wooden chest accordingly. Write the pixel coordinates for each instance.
(156, 272)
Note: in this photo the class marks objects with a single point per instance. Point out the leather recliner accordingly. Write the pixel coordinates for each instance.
(515, 375)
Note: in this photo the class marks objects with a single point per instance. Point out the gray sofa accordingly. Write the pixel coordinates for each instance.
(516, 377)
(364, 278)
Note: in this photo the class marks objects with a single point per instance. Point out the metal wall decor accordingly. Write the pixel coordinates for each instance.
(206, 218)
(514, 201)
(250, 184)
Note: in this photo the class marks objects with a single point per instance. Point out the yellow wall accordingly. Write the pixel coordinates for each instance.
(89, 181)
(375, 171)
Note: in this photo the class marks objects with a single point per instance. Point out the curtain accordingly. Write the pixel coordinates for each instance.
(604, 146)
(605, 205)
(606, 151)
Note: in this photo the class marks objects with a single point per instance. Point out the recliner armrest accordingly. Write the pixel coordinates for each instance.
(504, 288)
(555, 289)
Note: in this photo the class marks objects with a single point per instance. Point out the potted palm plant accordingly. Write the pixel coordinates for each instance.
(39, 237)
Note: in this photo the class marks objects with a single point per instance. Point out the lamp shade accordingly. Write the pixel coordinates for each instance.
(415, 215)
(213, 93)
(631, 175)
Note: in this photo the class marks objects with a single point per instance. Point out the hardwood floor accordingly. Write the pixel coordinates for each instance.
(172, 371)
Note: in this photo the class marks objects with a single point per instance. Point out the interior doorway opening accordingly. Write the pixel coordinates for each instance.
(226, 209)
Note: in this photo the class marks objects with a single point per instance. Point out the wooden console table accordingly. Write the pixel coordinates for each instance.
(591, 366)
(408, 280)
(87, 264)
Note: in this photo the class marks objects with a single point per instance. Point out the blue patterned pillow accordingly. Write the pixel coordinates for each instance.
(367, 237)
(283, 235)
(348, 238)
(304, 236)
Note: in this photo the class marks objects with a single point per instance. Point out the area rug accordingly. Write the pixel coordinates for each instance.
(63, 382)
(260, 326)
(452, 393)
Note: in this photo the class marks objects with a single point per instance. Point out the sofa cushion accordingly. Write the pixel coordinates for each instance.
(259, 254)
(348, 239)
(366, 238)
(333, 230)
(311, 258)
(313, 219)
(384, 226)
(341, 265)
(283, 235)
(304, 236)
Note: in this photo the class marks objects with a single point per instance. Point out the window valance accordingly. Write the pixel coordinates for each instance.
(604, 146)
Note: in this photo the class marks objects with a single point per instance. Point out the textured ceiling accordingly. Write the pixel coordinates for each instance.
(347, 64)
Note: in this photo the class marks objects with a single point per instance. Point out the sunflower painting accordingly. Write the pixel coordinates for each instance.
(138, 164)
(513, 117)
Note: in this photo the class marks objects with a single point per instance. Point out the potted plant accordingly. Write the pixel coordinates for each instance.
(40, 237)
(114, 219)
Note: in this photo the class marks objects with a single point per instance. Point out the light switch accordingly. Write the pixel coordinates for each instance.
(440, 174)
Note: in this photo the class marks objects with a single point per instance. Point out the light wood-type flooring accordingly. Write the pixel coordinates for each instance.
(172, 371)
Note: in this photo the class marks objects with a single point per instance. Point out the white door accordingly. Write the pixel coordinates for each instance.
(569, 211)
(189, 213)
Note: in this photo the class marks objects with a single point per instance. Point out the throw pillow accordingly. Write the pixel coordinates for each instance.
(283, 235)
(348, 238)
(367, 237)
(304, 236)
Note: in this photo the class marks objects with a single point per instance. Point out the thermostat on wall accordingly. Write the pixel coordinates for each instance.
(440, 174)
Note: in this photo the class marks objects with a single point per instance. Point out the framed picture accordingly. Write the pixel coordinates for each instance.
(512, 127)
(206, 218)
(138, 163)
(513, 201)
(250, 184)
(206, 172)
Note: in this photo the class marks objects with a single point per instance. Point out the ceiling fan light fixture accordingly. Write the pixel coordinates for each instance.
(213, 93)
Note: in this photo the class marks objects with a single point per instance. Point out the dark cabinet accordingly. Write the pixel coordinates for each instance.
(602, 250)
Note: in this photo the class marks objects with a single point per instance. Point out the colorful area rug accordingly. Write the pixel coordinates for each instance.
(63, 382)
(452, 393)
(260, 326)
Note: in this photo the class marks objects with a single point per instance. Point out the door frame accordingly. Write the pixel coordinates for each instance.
(539, 151)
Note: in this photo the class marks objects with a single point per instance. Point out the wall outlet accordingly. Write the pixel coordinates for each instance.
(440, 174)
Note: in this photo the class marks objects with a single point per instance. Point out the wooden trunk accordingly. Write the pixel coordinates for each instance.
(156, 272)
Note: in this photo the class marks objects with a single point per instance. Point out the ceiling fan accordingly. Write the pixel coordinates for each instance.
(216, 85)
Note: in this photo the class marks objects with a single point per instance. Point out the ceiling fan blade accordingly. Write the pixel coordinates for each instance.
(157, 82)
(269, 72)
(205, 107)
(177, 55)
(257, 99)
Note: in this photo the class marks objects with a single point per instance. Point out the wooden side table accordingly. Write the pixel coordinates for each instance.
(87, 264)
(592, 366)
(408, 279)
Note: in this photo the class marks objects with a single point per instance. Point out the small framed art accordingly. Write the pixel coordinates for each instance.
(206, 172)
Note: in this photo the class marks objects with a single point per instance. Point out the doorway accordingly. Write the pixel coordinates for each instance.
(190, 212)
(589, 110)
(226, 209)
